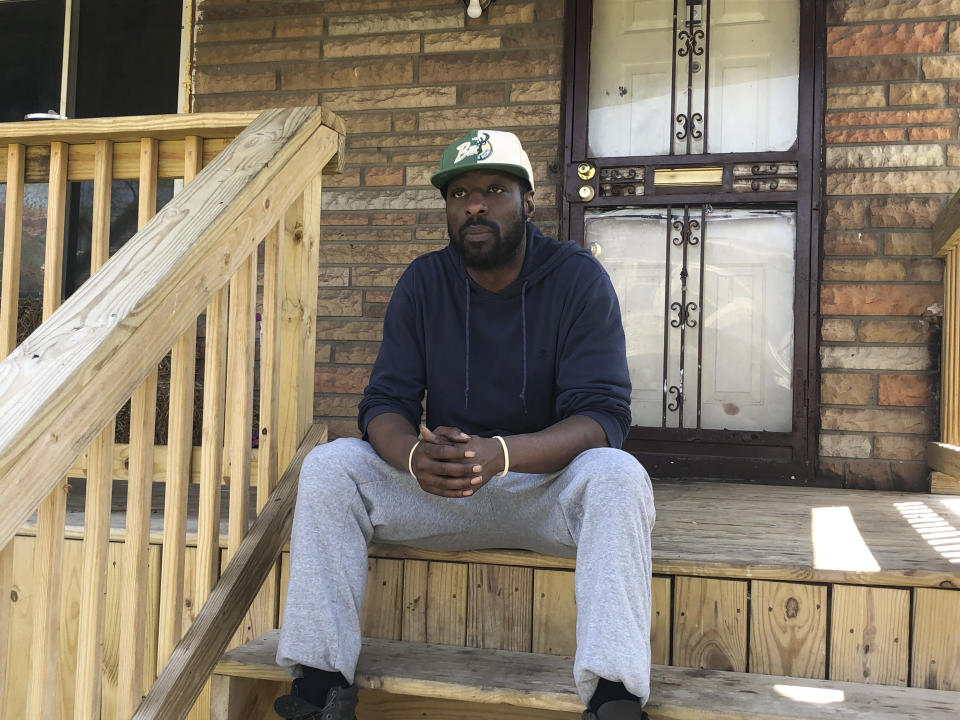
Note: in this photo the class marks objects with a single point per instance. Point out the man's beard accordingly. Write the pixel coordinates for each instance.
(501, 252)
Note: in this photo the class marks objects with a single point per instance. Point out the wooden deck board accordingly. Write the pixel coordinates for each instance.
(546, 681)
(729, 530)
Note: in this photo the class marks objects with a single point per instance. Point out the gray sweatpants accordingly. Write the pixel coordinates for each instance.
(598, 509)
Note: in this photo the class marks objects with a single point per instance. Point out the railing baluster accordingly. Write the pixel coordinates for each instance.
(243, 288)
(179, 449)
(99, 482)
(9, 292)
(48, 550)
(951, 370)
(262, 615)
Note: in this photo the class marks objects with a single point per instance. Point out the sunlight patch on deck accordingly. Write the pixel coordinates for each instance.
(837, 542)
(807, 694)
(939, 533)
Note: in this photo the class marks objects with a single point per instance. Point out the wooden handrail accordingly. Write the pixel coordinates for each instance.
(65, 382)
(192, 661)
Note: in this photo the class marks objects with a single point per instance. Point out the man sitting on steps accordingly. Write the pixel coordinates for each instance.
(517, 341)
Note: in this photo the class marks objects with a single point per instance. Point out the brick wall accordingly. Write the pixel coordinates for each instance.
(892, 160)
(408, 76)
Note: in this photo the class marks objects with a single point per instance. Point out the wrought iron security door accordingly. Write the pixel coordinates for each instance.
(690, 174)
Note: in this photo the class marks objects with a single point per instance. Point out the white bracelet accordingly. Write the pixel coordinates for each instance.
(506, 456)
(410, 460)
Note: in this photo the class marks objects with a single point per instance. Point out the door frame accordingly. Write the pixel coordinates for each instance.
(756, 456)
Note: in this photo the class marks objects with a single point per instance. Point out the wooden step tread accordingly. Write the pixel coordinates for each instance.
(546, 681)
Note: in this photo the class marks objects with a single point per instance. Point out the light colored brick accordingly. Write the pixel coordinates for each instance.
(879, 299)
(456, 67)
(349, 330)
(367, 235)
(378, 296)
(953, 155)
(342, 218)
(857, 96)
(873, 357)
(535, 91)
(910, 476)
(941, 66)
(333, 276)
(234, 78)
(846, 389)
(837, 330)
(258, 29)
(346, 74)
(420, 174)
(465, 118)
(386, 253)
(884, 156)
(898, 447)
(400, 21)
(350, 177)
(845, 445)
(367, 122)
(393, 219)
(893, 183)
(355, 353)
(253, 101)
(852, 11)
(339, 303)
(408, 43)
(919, 243)
(407, 121)
(251, 52)
(855, 270)
(300, 26)
(845, 214)
(904, 213)
(905, 390)
(380, 176)
(878, 68)
(335, 379)
(894, 331)
(866, 135)
(462, 41)
(482, 94)
(512, 14)
(387, 98)
(867, 475)
(382, 199)
(905, 422)
(926, 270)
(372, 276)
(917, 93)
(326, 404)
(886, 39)
(888, 117)
(850, 243)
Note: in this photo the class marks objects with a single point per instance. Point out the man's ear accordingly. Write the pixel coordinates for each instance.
(528, 206)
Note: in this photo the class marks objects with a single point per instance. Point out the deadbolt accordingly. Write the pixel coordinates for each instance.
(586, 171)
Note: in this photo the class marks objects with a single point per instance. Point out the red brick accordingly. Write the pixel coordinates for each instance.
(905, 390)
(870, 135)
(941, 132)
(888, 117)
(341, 379)
(886, 39)
(879, 299)
(383, 176)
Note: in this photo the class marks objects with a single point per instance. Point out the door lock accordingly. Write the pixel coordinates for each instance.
(586, 171)
(586, 193)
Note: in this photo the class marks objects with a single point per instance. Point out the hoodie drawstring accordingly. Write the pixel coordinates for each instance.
(523, 333)
(466, 371)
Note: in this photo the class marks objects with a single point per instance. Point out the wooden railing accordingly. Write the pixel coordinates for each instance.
(259, 197)
(944, 456)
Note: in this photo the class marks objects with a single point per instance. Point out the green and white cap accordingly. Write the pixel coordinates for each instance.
(483, 150)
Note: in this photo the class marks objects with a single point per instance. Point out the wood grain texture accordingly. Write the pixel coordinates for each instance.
(294, 331)
(499, 607)
(381, 615)
(56, 217)
(204, 233)
(530, 680)
(554, 612)
(12, 246)
(870, 635)
(944, 457)
(946, 228)
(434, 602)
(661, 618)
(312, 203)
(710, 624)
(788, 629)
(936, 639)
(180, 682)
(943, 484)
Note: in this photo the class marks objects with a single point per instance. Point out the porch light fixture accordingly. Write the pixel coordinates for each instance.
(475, 8)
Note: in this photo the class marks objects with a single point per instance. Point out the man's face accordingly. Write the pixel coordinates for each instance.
(486, 217)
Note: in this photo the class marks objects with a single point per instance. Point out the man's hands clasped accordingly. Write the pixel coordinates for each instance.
(450, 463)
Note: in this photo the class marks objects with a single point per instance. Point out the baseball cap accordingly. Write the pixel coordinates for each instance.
(483, 150)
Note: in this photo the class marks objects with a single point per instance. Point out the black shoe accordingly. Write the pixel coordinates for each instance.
(617, 710)
(341, 704)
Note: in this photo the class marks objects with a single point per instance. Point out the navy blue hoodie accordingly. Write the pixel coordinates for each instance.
(547, 347)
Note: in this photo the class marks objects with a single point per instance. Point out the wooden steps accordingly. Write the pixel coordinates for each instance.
(545, 682)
